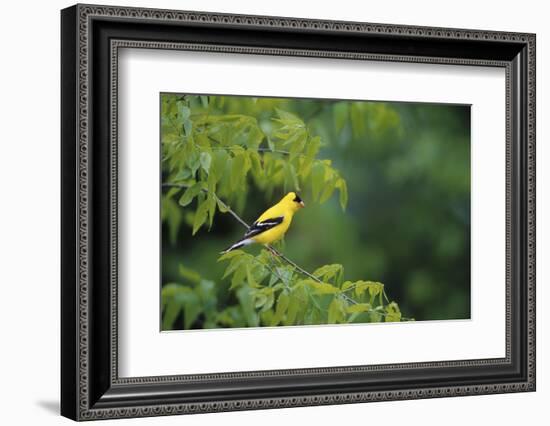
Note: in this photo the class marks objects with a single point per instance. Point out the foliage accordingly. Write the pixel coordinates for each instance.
(217, 156)
(211, 160)
(270, 292)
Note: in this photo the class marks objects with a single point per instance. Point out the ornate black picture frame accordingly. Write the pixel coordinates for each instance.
(91, 36)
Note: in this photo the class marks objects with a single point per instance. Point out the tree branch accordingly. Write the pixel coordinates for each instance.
(274, 272)
(278, 151)
(259, 149)
(294, 265)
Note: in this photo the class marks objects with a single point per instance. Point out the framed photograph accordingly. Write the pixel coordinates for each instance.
(263, 212)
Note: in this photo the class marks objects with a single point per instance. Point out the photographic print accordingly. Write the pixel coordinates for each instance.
(287, 211)
(343, 186)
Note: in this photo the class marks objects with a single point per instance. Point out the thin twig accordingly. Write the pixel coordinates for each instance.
(349, 299)
(259, 149)
(230, 211)
(278, 151)
(274, 272)
(294, 265)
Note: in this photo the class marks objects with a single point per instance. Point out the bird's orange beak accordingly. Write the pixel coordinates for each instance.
(302, 204)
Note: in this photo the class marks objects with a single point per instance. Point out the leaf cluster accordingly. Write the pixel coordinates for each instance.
(207, 156)
(269, 292)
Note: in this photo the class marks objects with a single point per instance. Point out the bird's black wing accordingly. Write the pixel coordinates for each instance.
(261, 226)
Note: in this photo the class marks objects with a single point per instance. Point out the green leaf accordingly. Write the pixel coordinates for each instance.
(168, 291)
(288, 117)
(187, 127)
(285, 273)
(320, 288)
(205, 160)
(202, 141)
(327, 191)
(312, 147)
(293, 308)
(298, 146)
(204, 101)
(259, 300)
(335, 311)
(343, 188)
(325, 288)
(221, 206)
(200, 216)
(237, 170)
(328, 271)
(393, 314)
(361, 287)
(183, 174)
(230, 255)
(250, 277)
(239, 275)
(374, 288)
(219, 161)
(270, 144)
(191, 309)
(189, 274)
(192, 158)
(176, 297)
(375, 316)
(172, 191)
(347, 284)
(247, 304)
(170, 314)
(233, 265)
(317, 179)
(211, 201)
(273, 279)
(211, 182)
(291, 180)
(359, 307)
(270, 294)
(255, 136)
(282, 305)
(185, 112)
(171, 213)
(189, 194)
(256, 162)
(206, 290)
(293, 138)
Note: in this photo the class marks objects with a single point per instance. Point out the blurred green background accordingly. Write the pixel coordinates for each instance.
(407, 224)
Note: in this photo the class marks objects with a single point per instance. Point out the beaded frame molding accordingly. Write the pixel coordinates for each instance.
(91, 38)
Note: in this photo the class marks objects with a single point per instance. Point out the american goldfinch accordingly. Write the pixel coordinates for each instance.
(272, 224)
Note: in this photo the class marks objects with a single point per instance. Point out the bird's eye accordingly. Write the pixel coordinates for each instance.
(297, 199)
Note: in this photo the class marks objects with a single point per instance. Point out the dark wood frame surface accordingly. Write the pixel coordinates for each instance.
(90, 39)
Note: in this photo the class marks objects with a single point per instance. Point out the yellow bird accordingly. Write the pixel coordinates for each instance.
(272, 225)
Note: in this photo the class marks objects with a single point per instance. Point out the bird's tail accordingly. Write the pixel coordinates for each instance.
(238, 244)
